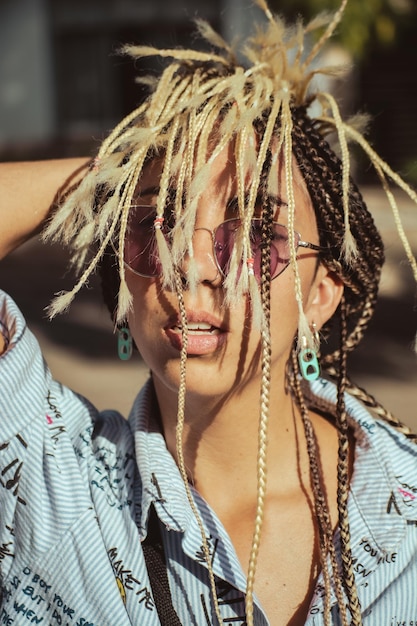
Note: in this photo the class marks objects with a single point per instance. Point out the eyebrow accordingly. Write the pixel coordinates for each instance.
(276, 200)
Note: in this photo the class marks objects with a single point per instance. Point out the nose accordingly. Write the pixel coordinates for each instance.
(203, 262)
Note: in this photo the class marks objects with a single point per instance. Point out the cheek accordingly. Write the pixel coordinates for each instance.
(283, 292)
(284, 320)
(284, 306)
(145, 310)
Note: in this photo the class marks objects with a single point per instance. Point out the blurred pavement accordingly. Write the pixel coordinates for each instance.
(80, 347)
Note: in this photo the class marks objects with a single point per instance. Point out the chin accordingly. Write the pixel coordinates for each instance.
(200, 383)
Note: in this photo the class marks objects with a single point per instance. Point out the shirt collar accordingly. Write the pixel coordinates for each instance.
(382, 488)
(162, 484)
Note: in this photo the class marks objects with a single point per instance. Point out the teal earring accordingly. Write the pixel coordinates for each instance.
(307, 359)
(124, 343)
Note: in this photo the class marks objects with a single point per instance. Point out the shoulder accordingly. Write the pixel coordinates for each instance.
(396, 455)
(322, 394)
(385, 447)
(25, 381)
(31, 401)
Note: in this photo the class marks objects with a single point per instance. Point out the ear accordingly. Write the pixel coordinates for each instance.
(324, 297)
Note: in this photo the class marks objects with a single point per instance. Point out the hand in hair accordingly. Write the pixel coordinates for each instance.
(29, 195)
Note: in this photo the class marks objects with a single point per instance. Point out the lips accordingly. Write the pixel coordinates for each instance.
(206, 334)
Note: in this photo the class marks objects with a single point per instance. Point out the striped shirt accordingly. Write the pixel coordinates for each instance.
(75, 490)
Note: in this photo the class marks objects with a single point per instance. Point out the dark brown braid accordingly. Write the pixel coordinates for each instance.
(368, 400)
(321, 508)
(322, 172)
(343, 475)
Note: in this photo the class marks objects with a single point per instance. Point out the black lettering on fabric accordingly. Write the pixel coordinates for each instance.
(28, 613)
(21, 440)
(5, 550)
(377, 554)
(38, 593)
(205, 611)
(154, 481)
(212, 548)
(5, 618)
(112, 477)
(223, 589)
(127, 582)
(10, 472)
(360, 568)
(51, 400)
(35, 597)
(393, 503)
(369, 426)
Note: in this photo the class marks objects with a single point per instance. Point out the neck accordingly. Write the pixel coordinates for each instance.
(220, 439)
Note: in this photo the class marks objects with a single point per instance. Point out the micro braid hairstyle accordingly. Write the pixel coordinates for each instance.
(201, 103)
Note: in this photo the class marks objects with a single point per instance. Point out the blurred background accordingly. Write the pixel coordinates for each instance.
(63, 87)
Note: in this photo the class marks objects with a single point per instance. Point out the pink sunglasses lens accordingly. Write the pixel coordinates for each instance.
(141, 252)
(225, 239)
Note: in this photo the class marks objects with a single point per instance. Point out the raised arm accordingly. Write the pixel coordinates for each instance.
(28, 193)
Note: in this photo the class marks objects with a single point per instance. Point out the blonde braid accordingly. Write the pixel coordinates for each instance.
(243, 152)
(117, 136)
(176, 53)
(264, 413)
(179, 442)
(171, 82)
(257, 309)
(125, 297)
(326, 35)
(206, 122)
(304, 331)
(383, 170)
(165, 257)
(350, 250)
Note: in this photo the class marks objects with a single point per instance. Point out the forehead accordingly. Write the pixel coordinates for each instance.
(220, 183)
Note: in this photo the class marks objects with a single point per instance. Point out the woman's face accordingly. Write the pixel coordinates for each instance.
(223, 344)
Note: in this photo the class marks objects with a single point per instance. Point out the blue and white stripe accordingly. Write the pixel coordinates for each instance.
(75, 492)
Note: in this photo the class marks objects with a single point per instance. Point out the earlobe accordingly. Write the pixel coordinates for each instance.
(326, 293)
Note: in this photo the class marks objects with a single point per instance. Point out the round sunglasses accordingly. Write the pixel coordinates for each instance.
(141, 251)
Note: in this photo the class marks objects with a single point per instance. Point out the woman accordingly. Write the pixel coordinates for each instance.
(245, 487)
